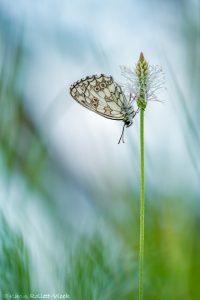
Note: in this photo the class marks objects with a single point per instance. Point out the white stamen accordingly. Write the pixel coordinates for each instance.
(155, 81)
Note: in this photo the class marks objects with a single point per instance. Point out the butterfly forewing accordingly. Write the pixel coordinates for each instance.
(100, 94)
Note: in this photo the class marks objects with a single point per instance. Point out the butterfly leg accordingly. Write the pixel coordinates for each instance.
(122, 135)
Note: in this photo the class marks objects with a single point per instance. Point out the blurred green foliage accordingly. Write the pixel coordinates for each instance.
(14, 262)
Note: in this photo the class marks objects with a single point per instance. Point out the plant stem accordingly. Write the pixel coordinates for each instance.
(141, 204)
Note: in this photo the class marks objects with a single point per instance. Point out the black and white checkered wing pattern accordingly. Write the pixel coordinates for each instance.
(102, 95)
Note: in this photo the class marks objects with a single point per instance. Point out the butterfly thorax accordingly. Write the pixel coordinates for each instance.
(129, 115)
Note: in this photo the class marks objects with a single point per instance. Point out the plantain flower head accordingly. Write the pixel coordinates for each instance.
(143, 82)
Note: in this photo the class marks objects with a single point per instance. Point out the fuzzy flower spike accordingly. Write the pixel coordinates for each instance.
(143, 82)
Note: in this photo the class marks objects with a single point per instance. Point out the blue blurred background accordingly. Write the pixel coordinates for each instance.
(69, 195)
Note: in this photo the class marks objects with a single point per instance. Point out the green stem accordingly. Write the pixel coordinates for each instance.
(141, 204)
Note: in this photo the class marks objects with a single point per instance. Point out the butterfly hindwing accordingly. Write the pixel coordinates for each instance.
(100, 94)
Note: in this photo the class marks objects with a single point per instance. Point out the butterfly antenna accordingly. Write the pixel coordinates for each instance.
(122, 135)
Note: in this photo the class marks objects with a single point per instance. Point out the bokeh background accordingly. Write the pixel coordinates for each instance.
(69, 194)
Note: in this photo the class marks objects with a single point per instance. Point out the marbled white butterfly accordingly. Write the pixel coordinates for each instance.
(101, 94)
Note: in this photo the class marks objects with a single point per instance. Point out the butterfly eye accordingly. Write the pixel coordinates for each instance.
(102, 85)
(96, 89)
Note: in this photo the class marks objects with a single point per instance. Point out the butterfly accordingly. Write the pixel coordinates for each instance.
(102, 95)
